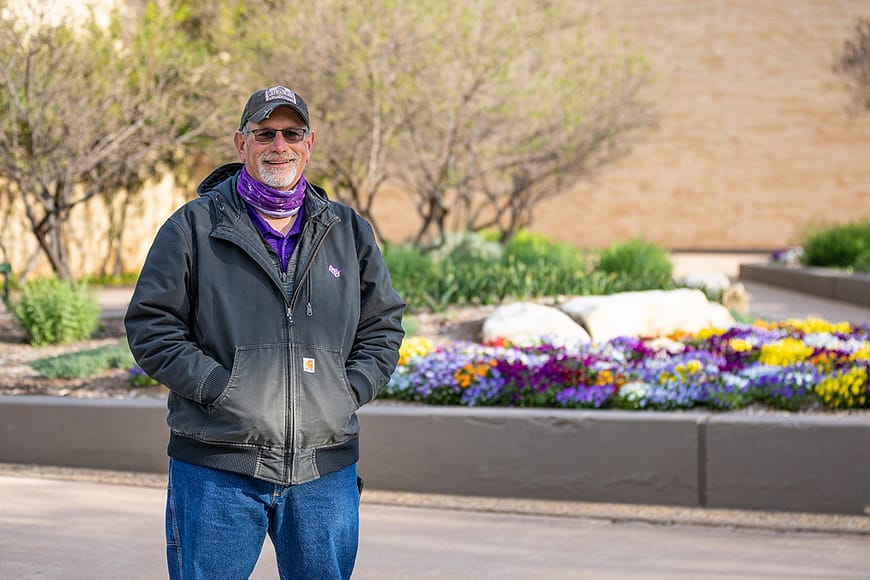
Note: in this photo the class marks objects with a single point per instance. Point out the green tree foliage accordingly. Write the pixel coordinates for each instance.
(87, 110)
(479, 110)
(521, 104)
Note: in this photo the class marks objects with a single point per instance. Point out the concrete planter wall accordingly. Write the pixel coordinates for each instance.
(824, 282)
(693, 459)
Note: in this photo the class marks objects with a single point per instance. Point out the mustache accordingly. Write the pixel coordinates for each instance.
(278, 158)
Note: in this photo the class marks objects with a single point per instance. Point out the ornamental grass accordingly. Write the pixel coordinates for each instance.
(795, 365)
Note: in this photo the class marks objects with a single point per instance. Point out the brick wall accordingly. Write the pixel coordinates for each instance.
(753, 139)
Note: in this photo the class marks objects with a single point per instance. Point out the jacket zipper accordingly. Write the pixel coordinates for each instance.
(291, 428)
(298, 290)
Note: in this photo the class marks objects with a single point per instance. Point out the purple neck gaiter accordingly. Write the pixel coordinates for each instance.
(270, 201)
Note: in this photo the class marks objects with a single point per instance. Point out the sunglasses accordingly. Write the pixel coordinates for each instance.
(291, 135)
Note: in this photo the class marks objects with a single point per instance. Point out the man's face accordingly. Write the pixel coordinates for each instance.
(278, 164)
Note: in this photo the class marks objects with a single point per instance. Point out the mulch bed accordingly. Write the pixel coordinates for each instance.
(17, 377)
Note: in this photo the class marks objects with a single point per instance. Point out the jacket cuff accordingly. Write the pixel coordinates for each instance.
(361, 385)
(214, 384)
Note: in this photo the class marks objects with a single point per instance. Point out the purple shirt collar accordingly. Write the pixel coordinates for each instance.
(283, 245)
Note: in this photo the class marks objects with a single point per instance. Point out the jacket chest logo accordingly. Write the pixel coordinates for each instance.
(308, 365)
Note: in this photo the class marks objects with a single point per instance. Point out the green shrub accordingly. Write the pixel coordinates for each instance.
(537, 250)
(474, 271)
(412, 272)
(840, 246)
(86, 363)
(466, 245)
(56, 311)
(637, 265)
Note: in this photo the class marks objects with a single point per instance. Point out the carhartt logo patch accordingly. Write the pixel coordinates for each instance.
(280, 93)
(308, 365)
(334, 271)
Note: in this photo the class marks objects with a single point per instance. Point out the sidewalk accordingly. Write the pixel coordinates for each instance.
(51, 529)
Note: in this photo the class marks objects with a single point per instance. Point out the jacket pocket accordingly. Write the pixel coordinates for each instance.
(325, 411)
(252, 407)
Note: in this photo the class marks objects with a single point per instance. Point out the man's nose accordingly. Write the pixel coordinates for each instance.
(279, 142)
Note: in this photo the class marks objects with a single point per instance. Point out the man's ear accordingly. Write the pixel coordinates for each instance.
(240, 143)
(310, 144)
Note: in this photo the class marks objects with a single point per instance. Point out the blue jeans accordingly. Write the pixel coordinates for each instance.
(217, 521)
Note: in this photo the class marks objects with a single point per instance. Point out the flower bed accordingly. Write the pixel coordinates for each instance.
(793, 365)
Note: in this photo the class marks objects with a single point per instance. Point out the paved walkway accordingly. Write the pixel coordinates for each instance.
(53, 529)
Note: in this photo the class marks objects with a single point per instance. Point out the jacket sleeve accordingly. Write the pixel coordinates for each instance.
(159, 320)
(379, 334)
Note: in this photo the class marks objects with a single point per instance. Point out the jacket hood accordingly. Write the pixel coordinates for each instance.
(218, 175)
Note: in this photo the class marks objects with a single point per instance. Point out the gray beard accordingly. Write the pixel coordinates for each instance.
(277, 177)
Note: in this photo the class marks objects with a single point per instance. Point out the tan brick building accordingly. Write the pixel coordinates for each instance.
(753, 141)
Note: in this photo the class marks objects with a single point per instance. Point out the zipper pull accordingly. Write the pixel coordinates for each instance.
(290, 315)
(308, 310)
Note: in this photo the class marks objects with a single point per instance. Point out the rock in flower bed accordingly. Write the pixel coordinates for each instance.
(795, 365)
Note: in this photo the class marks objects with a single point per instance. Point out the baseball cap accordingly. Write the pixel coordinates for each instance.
(261, 104)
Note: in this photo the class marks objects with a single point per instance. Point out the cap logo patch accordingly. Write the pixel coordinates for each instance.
(280, 93)
(334, 271)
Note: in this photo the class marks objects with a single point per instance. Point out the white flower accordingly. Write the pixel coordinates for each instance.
(665, 344)
(633, 391)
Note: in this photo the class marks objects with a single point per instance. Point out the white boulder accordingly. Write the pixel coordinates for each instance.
(646, 313)
(525, 320)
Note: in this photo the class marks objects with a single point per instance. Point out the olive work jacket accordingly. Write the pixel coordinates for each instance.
(265, 369)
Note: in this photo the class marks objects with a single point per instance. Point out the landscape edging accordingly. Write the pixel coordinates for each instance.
(689, 459)
(828, 283)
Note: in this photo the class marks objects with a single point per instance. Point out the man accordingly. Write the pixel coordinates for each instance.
(267, 311)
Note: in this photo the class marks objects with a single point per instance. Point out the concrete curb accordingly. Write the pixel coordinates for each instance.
(825, 282)
(814, 464)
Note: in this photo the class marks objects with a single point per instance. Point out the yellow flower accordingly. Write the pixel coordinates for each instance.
(807, 326)
(811, 325)
(706, 333)
(862, 353)
(785, 352)
(689, 367)
(846, 390)
(414, 346)
(739, 345)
